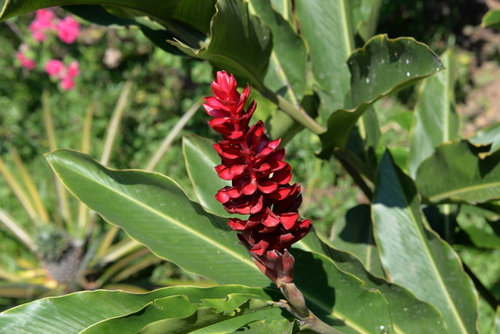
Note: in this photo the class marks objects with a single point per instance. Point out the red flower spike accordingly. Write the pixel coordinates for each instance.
(260, 182)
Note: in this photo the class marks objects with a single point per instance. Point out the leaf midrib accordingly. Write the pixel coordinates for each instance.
(435, 270)
(463, 190)
(164, 216)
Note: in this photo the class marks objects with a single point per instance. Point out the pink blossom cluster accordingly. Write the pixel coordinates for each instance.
(46, 21)
(66, 74)
(26, 62)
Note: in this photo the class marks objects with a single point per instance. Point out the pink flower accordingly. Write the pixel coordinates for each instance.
(26, 63)
(54, 67)
(67, 83)
(68, 29)
(44, 20)
(73, 69)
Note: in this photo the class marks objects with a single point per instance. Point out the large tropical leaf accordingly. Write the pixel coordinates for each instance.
(240, 44)
(464, 174)
(383, 66)
(201, 158)
(486, 136)
(408, 314)
(155, 211)
(354, 234)
(365, 17)
(330, 293)
(326, 26)
(492, 19)
(104, 311)
(414, 256)
(435, 116)
(287, 66)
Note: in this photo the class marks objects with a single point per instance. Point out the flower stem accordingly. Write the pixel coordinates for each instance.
(296, 305)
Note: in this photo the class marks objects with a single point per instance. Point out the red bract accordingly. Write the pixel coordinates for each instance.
(260, 181)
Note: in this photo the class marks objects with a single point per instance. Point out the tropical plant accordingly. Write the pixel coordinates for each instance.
(73, 250)
(391, 265)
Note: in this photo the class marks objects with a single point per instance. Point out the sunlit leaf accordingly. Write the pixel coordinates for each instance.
(240, 44)
(464, 176)
(408, 249)
(492, 19)
(155, 211)
(383, 66)
(201, 158)
(435, 116)
(101, 309)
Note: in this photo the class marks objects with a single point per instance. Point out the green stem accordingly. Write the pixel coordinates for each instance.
(299, 115)
(296, 305)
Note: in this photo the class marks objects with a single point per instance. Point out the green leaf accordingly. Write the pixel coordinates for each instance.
(270, 327)
(330, 293)
(464, 176)
(408, 314)
(209, 312)
(92, 310)
(239, 44)
(201, 158)
(157, 33)
(365, 17)
(491, 19)
(154, 210)
(287, 66)
(435, 116)
(382, 67)
(486, 136)
(415, 256)
(496, 329)
(479, 225)
(326, 26)
(354, 234)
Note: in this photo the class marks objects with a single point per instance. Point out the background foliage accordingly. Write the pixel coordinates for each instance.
(396, 145)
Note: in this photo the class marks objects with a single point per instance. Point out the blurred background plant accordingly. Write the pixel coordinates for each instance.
(165, 86)
(49, 243)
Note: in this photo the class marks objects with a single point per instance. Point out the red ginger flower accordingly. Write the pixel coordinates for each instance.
(260, 181)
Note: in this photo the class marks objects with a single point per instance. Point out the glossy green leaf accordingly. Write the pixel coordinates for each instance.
(201, 158)
(492, 19)
(287, 66)
(240, 44)
(481, 227)
(383, 66)
(91, 310)
(486, 136)
(409, 315)
(409, 250)
(354, 234)
(269, 327)
(326, 26)
(330, 293)
(154, 210)
(201, 316)
(435, 116)
(464, 176)
(157, 33)
(365, 17)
